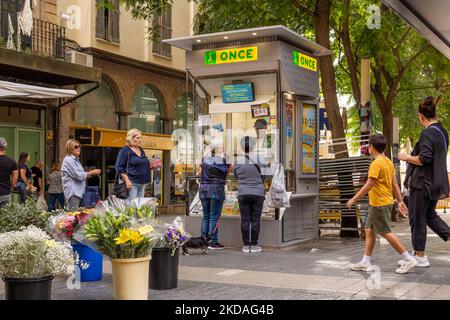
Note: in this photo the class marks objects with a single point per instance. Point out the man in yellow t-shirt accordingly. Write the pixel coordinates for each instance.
(381, 186)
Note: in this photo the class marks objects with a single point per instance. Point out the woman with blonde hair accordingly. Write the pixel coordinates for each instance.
(133, 166)
(55, 188)
(73, 175)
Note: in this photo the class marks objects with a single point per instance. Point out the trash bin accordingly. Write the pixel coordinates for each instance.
(94, 260)
(163, 269)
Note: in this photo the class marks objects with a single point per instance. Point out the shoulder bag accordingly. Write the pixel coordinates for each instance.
(120, 190)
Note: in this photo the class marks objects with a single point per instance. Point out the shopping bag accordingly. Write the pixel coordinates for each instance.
(278, 196)
(41, 204)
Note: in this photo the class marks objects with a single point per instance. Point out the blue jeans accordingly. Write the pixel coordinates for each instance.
(211, 213)
(136, 191)
(52, 201)
(22, 186)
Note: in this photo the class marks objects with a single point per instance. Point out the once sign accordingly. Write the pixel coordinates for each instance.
(231, 55)
(304, 61)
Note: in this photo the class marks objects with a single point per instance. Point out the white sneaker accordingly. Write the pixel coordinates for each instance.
(421, 262)
(255, 249)
(246, 249)
(359, 266)
(406, 267)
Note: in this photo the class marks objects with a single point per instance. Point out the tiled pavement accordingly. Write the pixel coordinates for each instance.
(317, 269)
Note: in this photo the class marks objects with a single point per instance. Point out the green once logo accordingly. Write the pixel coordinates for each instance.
(295, 57)
(210, 57)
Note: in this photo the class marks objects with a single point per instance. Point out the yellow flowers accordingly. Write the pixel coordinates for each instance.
(51, 243)
(126, 235)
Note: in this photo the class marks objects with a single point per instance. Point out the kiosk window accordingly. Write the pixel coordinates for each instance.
(146, 110)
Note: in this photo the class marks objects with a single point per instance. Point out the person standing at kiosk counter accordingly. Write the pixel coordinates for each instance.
(133, 165)
(251, 195)
(427, 181)
(213, 171)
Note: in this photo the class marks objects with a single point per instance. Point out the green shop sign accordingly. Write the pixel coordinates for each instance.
(231, 55)
(304, 61)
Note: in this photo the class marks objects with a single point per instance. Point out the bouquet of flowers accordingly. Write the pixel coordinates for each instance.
(120, 232)
(173, 236)
(31, 253)
(65, 224)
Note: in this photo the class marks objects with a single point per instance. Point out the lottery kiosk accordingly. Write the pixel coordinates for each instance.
(261, 82)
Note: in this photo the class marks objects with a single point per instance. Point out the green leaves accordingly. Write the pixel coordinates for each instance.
(102, 230)
(15, 216)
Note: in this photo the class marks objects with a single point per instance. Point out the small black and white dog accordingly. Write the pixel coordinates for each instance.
(196, 243)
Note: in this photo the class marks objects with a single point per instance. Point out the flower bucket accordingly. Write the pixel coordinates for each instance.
(94, 260)
(163, 269)
(130, 278)
(28, 288)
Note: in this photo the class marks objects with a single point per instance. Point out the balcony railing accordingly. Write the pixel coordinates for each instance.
(46, 38)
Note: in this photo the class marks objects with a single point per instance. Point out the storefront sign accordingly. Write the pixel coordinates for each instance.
(304, 61)
(231, 55)
(235, 93)
(260, 111)
(308, 138)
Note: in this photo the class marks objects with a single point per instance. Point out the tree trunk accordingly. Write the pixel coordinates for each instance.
(388, 129)
(322, 25)
(346, 43)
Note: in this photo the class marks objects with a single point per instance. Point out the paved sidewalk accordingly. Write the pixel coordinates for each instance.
(317, 269)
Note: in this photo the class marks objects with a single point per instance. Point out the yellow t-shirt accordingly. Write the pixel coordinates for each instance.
(382, 171)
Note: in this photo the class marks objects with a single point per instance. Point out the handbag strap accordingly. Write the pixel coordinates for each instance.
(256, 166)
(442, 134)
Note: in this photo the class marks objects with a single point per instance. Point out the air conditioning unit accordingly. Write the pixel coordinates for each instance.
(80, 58)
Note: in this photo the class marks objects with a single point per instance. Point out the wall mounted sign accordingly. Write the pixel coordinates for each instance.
(260, 111)
(231, 55)
(235, 93)
(304, 61)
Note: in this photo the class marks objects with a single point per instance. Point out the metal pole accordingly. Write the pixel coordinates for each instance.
(365, 109)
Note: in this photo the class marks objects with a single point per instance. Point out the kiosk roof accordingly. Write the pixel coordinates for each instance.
(281, 32)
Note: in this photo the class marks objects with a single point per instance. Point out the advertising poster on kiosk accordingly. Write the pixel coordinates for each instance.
(308, 138)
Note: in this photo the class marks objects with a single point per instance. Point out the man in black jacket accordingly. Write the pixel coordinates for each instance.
(427, 180)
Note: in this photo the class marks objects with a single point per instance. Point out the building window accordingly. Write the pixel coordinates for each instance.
(98, 108)
(147, 109)
(163, 25)
(108, 19)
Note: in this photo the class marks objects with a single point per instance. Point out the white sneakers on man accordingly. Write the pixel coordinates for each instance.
(246, 249)
(407, 266)
(255, 249)
(422, 262)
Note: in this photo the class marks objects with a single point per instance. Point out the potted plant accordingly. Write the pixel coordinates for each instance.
(15, 216)
(29, 260)
(63, 226)
(165, 257)
(127, 238)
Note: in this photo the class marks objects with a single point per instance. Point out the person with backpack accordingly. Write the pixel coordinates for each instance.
(251, 194)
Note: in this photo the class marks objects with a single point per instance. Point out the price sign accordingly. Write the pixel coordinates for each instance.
(260, 111)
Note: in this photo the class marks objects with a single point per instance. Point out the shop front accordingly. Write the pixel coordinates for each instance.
(261, 82)
(101, 147)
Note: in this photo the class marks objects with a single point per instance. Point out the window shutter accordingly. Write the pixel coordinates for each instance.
(167, 32)
(157, 26)
(100, 21)
(115, 22)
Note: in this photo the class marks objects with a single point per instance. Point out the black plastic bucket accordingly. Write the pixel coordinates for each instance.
(28, 288)
(163, 269)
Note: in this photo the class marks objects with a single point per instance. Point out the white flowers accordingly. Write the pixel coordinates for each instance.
(32, 253)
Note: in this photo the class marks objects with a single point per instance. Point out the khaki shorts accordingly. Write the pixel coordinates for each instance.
(379, 219)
